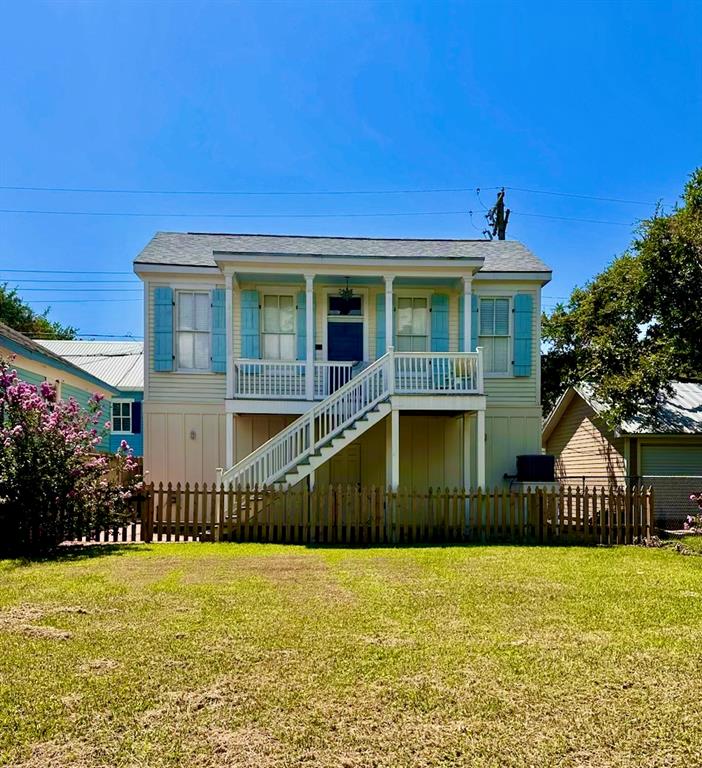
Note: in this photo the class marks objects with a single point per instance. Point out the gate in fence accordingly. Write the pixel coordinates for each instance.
(367, 516)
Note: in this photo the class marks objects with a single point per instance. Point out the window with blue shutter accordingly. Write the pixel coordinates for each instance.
(494, 334)
(380, 343)
(219, 331)
(523, 333)
(250, 337)
(439, 322)
(163, 329)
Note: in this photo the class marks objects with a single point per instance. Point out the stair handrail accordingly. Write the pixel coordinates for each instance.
(308, 420)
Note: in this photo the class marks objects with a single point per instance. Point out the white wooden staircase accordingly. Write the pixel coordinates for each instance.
(335, 422)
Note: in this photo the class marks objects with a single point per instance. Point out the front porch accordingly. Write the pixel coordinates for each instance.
(416, 373)
(344, 354)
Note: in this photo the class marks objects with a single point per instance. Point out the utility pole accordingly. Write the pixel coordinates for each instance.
(497, 218)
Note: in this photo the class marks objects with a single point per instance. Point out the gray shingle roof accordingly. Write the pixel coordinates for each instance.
(197, 249)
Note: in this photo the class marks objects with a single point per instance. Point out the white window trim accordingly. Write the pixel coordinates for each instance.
(362, 318)
(509, 373)
(131, 416)
(410, 293)
(176, 330)
(278, 291)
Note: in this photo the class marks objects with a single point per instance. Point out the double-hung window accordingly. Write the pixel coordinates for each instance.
(121, 416)
(494, 334)
(412, 324)
(278, 327)
(193, 330)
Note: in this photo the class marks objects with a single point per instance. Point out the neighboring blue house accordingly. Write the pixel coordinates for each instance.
(35, 363)
(121, 365)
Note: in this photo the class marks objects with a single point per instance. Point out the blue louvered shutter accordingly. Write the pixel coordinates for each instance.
(523, 333)
(461, 313)
(136, 417)
(473, 322)
(219, 331)
(439, 322)
(250, 337)
(163, 329)
(380, 342)
(301, 325)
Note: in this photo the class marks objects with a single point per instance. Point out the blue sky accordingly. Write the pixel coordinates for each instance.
(598, 99)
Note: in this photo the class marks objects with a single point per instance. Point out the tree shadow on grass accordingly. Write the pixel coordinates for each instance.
(68, 553)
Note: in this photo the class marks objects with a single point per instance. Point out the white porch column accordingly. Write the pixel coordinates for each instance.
(230, 433)
(467, 313)
(392, 449)
(389, 338)
(309, 330)
(480, 448)
(229, 309)
(466, 450)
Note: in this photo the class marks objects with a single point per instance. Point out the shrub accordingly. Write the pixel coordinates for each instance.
(53, 484)
(694, 522)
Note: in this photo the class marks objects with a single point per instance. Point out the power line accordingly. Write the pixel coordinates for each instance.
(79, 301)
(237, 192)
(72, 282)
(310, 193)
(74, 290)
(572, 218)
(120, 336)
(580, 197)
(141, 214)
(62, 271)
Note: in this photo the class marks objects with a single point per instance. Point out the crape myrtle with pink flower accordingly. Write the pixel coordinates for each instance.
(54, 485)
(694, 522)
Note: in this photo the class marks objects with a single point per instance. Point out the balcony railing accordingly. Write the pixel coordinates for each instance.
(415, 373)
(440, 373)
(286, 379)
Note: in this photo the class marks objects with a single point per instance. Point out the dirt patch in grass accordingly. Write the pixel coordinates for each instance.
(44, 632)
(98, 667)
(20, 618)
(245, 747)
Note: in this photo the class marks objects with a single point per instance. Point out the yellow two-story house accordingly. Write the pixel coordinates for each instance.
(276, 359)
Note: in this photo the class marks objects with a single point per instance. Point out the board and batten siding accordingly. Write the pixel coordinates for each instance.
(174, 386)
(583, 446)
(509, 432)
(184, 441)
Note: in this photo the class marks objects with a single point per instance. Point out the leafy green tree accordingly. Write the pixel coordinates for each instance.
(636, 326)
(20, 316)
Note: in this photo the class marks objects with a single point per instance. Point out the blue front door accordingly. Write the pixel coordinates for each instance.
(345, 341)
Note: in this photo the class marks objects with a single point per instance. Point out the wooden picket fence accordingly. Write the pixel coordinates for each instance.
(377, 516)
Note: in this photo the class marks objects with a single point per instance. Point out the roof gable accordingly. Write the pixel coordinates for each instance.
(681, 413)
(20, 344)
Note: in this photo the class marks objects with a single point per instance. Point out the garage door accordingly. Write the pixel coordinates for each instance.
(671, 460)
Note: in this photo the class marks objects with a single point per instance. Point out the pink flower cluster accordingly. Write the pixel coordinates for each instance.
(53, 442)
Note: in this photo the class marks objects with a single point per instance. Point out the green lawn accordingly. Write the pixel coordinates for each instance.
(262, 655)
